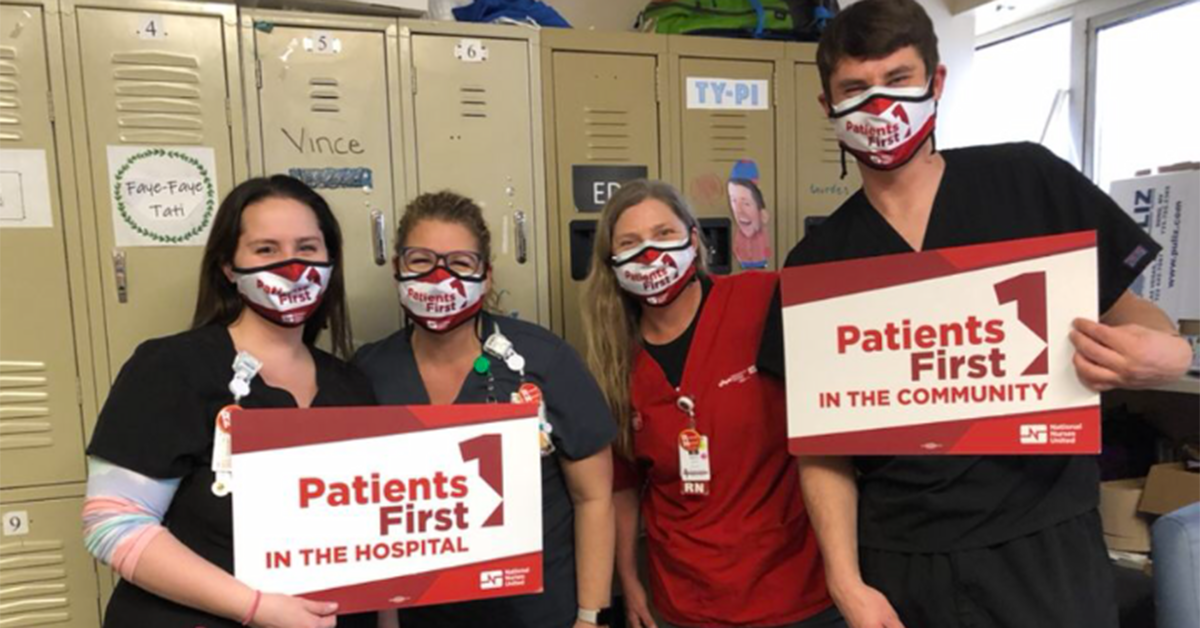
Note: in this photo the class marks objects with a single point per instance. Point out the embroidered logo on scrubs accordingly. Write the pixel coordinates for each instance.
(740, 377)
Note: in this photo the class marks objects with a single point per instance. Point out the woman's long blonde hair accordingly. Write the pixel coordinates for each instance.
(610, 315)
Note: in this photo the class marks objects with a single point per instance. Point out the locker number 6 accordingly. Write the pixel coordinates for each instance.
(470, 51)
(151, 27)
(16, 523)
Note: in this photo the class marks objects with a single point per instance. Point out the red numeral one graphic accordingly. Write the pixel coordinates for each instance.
(487, 449)
(1029, 291)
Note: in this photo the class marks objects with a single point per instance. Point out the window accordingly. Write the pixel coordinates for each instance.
(1145, 83)
(1019, 90)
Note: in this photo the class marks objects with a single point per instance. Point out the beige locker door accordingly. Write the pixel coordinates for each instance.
(41, 422)
(167, 89)
(47, 577)
(714, 140)
(819, 188)
(474, 136)
(325, 121)
(606, 130)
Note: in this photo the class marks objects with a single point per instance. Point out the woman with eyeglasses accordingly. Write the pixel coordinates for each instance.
(443, 356)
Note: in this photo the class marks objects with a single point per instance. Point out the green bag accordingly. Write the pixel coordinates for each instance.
(759, 19)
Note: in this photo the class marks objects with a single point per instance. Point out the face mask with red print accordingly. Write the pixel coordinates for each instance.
(285, 293)
(656, 272)
(884, 126)
(440, 300)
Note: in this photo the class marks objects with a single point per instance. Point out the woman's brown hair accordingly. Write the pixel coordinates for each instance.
(219, 303)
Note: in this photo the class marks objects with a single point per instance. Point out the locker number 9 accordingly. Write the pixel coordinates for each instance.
(16, 523)
(151, 27)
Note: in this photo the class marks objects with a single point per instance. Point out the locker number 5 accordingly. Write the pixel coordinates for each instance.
(16, 523)
(151, 27)
(322, 43)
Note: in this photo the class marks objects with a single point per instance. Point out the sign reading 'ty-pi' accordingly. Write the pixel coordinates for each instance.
(727, 93)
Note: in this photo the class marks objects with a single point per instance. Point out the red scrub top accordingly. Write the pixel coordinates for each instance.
(744, 554)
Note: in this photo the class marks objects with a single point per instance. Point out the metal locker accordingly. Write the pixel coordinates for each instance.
(41, 412)
(819, 187)
(47, 577)
(158, 127)
(727, 130)
(476, 129)
(324, 108)
(603, 118)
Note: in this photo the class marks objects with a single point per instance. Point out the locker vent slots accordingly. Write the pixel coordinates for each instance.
(34, 584)
(10, 102)
(607, 132)
(158, 97)
(474, 101)
(324, 94)
(24, 406)
(730, 140)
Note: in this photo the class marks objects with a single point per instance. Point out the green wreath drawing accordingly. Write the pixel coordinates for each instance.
(210, 194)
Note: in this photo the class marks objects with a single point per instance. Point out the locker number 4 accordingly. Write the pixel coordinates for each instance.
(151, 27)
(470, 51)
(16, 523)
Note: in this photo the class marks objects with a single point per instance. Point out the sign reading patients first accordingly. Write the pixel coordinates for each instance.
(951, 351)
(387, 507)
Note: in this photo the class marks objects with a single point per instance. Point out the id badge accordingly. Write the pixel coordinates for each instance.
(222, 454)
(694, 460)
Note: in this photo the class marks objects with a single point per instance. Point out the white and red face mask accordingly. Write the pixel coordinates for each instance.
(440, 300)
(286, 293)
(656, 272)
(884, 126)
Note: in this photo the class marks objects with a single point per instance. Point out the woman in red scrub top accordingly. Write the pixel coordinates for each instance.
(703, 436)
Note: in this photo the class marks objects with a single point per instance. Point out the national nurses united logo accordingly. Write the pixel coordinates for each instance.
(162, 196)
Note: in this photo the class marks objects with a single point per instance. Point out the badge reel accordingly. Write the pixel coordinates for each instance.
(245, 367)
(499, 346)
(695, 469)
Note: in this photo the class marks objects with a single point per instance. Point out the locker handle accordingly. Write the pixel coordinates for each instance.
(522, 240)
(378, 237)
(121, 275)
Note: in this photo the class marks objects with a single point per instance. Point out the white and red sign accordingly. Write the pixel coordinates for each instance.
(383, 507)
(952, 351)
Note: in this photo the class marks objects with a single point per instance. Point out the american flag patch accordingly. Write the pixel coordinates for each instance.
(1136, 256)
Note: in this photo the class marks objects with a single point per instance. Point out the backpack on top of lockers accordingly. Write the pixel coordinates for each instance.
(798, 20)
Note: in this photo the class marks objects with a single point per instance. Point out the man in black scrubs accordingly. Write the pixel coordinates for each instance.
(964, 541)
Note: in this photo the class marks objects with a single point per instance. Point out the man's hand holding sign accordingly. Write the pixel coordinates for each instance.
(1120, 353)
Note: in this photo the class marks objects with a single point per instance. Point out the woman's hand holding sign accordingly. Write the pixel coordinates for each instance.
(1130, 349)
(285, 611)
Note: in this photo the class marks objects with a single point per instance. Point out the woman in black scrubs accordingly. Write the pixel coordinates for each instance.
(158, 508)
(452, 352)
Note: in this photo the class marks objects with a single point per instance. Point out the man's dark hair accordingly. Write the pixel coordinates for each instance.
(874, 29)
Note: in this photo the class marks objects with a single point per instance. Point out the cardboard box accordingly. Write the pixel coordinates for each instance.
(1124, 528)
(1169, 487)
(1167, 206)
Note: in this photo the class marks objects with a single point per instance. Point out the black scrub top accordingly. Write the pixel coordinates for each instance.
(987, 194)
(158, 421)
(582, 426)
